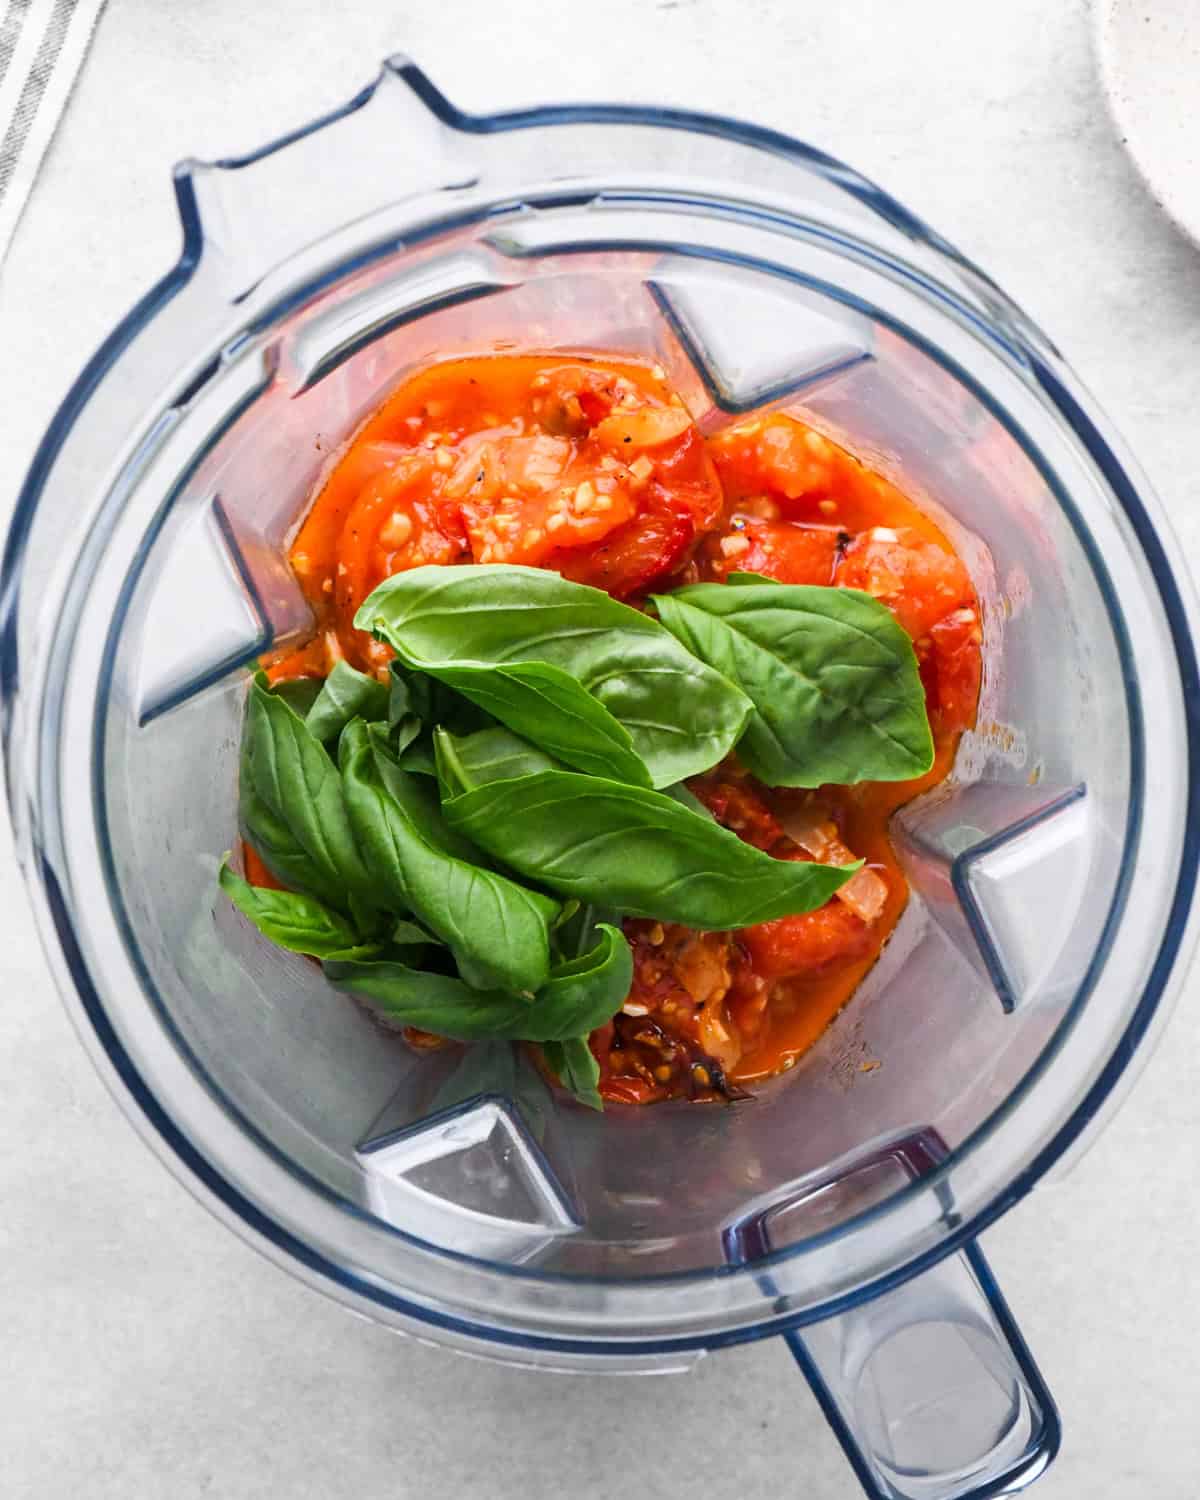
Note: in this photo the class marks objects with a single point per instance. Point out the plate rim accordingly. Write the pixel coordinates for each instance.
(1103, 11)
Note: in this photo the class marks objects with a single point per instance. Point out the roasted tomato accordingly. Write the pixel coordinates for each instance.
(920, 582)
(776, 549)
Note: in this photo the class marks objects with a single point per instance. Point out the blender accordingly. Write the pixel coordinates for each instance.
(456, 1198)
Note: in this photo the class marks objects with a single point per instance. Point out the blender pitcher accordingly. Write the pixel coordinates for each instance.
(455, 1197)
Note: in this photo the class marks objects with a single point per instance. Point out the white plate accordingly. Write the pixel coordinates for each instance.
(1150, 66)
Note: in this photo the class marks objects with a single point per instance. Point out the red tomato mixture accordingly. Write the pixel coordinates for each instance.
(595, 469)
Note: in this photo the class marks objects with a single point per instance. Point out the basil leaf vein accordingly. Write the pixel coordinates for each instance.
(833, 678)
(488, 755)
(638, 851)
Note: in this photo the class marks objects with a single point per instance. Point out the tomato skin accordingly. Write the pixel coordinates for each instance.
(636, 558)
(808, 943)
(779, 550)
(737, 806)
(395, 524)
(680, 501)
(617, 1088)
(779, 456)
(685, 477)
(919, 582)
(572, 399)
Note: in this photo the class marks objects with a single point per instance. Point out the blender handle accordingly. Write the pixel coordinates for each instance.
(931, 1390)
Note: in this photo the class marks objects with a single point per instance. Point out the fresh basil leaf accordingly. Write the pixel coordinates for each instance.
(413, 693)
(418, 757)
(547, 705)
(410, 935)
(682, 716)
(402, 702)
(297, 923)
(291, 807)
(582, 993)
(497, 930)
(579, 932)
(433, 1002)
(687, 798)
(451, 775)
(578, 996)
(569, 910)
(404, 723)
(403, 734)
(488, 755)
(367, 918)
(833, 678)
(637, 851)
(576, 1068)
(299, 693)
(743, 578)
(345, 694)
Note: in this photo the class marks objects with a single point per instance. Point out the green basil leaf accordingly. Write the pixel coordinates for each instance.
(578, 996)
(497, 930)
(402, 702)
(345, 694)
(833, 678)
(297, 923)
(451, 775)
(291, 807)
(576, 1068)
(488, 755)
(418, 757)
(299, 693)
(637, 851)
(687, 798)
(579, 933)
(568, 910)
(682, 716)
(367, 918)
(547, 705)
(417, 694)
(403, 734)
(405, 934)
(582, 993)
(433, 1002)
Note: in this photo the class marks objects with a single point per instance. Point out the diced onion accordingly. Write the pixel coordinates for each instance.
(866, 892)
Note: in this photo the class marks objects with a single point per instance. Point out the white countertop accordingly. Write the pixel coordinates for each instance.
(146, 1351)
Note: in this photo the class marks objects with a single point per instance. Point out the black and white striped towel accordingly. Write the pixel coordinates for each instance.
(42, 44)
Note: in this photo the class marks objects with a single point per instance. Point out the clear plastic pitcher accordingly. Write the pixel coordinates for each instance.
(455, 1197)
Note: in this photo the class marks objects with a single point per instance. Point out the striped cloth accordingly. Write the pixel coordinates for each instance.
(42, 43)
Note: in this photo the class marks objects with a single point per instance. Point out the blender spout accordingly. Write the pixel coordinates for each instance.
(397, 139)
